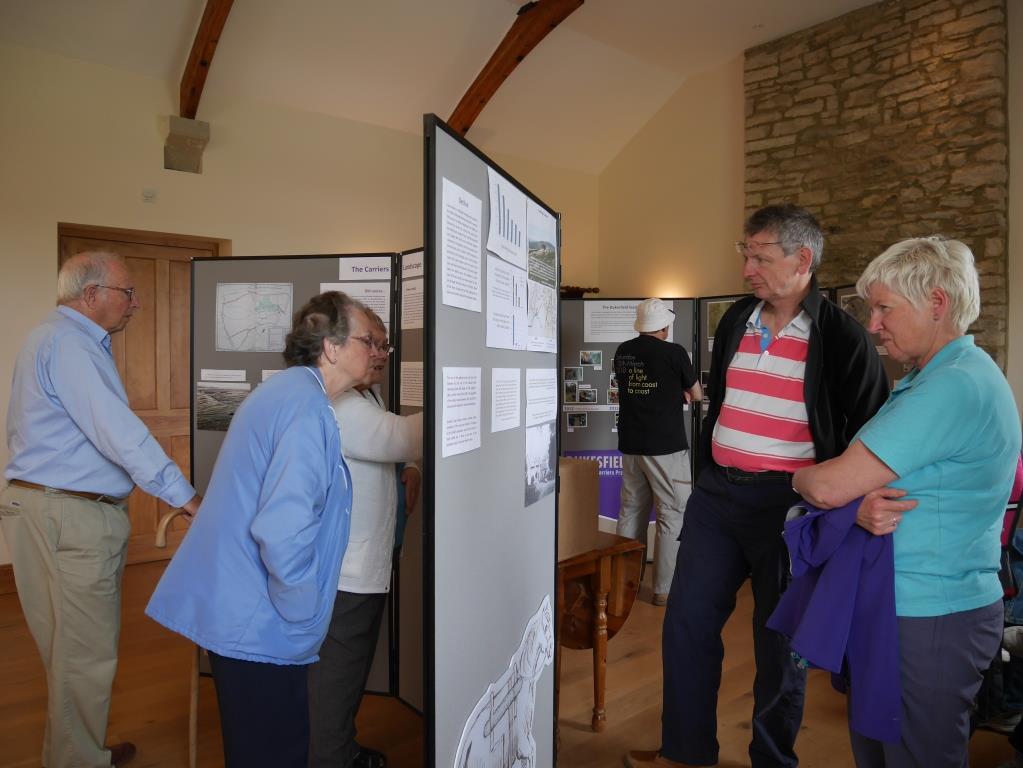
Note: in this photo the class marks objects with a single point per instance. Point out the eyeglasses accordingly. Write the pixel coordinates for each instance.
(744, 249)
(129, 292)
(384, 349)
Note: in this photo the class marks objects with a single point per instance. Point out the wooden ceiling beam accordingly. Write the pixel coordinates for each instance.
(206, 38)
(534, 22)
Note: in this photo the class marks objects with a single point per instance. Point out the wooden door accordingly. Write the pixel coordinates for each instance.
(152, 354)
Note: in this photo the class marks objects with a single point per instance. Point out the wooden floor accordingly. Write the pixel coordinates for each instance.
(150, 705)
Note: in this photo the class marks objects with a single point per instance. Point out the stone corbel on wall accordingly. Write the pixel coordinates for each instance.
(186, 140)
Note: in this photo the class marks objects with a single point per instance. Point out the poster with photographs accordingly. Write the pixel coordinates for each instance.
(571, 392)
(591, 357)
(541, 460)
(573, 374)
(715, 311)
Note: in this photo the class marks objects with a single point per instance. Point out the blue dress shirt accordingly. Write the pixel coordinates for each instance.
(69, 424)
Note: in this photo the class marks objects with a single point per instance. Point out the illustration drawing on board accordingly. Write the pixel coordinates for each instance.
(499, 730)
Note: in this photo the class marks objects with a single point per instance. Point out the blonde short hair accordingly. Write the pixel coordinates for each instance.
(915, 267)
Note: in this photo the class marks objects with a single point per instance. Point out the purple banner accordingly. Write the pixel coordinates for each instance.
(610, 479)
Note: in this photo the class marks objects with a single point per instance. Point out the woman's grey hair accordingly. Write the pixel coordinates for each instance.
(915, 267)
(81, 270)
(794, 228)
(325, 316)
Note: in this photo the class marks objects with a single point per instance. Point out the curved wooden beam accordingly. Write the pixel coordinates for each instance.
(534, 22)
(205, 45)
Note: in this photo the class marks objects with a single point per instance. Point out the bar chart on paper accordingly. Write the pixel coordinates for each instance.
(506, 236)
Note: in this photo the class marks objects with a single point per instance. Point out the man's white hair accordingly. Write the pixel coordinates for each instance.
(81, 270)
(915, 267)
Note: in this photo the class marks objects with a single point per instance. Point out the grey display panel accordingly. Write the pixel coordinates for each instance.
(598, 434)
(304, 275)
(409, 637)
(847, 298)
(492, 557)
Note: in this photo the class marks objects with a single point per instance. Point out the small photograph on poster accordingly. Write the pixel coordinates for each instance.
(614, 424)
(612, 380)
(592, 357)
(612, 397)
(216, 403)
(857, 307)
(588, 395)
(541, 458)
(705, 384)
(543, 279)
(577, 420)
(571, 392)
(574, 374)
(715, 311)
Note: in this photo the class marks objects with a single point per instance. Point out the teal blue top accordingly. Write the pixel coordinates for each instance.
(951, 432)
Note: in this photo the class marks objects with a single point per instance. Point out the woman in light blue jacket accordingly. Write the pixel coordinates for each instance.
(254, 580)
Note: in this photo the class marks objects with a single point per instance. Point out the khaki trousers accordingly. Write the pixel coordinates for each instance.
(68, 555)
(666, 482)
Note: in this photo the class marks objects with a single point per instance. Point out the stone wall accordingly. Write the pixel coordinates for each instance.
(890, 122)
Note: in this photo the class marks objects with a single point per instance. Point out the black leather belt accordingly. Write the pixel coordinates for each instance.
(101, 497)
(742, 477)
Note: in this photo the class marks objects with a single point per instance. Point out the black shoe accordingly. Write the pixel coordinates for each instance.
(121, 754)
(368, 758)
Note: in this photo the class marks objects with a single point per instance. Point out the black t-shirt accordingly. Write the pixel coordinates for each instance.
(652, 375)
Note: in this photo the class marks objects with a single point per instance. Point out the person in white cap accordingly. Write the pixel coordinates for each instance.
(655, 380)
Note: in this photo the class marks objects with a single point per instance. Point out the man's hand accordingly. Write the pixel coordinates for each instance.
(881, 510)
(191, 507)
(412, 481)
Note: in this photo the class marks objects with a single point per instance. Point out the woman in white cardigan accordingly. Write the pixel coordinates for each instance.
(375, 442)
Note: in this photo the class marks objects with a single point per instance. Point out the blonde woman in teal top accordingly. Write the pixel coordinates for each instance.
(934, 466)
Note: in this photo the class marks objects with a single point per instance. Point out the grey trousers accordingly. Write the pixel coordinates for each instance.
(666, 482)
(942, 660)
(338, 679)
(68, 555)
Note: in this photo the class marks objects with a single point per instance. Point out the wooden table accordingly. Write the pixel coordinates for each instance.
(596, 590)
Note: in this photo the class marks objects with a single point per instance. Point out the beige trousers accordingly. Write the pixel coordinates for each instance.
(665, 482)
(68, 555)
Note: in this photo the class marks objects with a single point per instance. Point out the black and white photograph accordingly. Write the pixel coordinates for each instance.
(571, 392)
(593, 357)
(541, 458)
(577, 420)
(216, 403)
(587, 395)
(573, 374)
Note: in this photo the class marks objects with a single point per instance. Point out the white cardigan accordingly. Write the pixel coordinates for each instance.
(373, 439)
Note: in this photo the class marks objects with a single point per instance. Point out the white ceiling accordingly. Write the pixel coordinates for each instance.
(574, 102)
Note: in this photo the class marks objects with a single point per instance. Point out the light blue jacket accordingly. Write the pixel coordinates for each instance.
(256, 575)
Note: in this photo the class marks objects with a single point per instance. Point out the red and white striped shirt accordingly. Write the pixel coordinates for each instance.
(763, 423)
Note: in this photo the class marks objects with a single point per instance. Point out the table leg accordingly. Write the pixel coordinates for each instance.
(602, 585)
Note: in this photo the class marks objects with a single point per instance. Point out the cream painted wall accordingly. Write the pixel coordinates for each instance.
(671, 203)
(81, 141)
(1015, 354)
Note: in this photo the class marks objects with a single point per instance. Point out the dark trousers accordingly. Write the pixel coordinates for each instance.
(731, 532)
(338, 679)
(264, 713)
(941, 662)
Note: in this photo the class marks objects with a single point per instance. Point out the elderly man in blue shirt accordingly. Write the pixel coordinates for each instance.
(76, 452)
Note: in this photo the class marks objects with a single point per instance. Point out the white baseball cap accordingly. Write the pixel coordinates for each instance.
(652, 315)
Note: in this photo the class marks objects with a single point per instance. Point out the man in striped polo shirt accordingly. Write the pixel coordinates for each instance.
(792, 379)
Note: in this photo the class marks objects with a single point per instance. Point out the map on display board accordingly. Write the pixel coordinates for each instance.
(253, 317)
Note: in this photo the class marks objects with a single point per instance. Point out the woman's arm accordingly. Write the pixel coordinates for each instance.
(839, 480)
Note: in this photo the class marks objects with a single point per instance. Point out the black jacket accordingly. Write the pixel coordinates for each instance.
(845, 382)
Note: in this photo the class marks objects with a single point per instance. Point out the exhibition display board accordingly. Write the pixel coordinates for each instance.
(591, 330)
(847, 298)
(242, 310)
(490, 512)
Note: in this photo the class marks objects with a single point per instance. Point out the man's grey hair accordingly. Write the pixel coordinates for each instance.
(81, 270)
(793, 227)
(915, 267)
